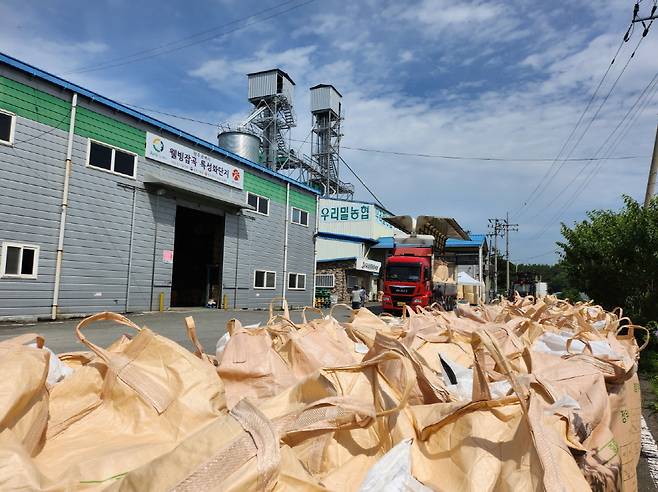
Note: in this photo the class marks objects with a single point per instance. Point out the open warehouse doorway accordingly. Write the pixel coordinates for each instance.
(198, 250)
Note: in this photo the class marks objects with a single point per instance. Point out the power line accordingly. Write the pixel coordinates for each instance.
(192, 36)
(573, 130)
(626, 37)
(177, 116)
(474, 158)
(153, 52)
(611, 148)
(614, 141)
(621, 135)
(582, 135)
(398, 153)
(541, 255)
(361, 181)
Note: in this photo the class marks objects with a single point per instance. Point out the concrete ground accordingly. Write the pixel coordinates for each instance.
(211, 325)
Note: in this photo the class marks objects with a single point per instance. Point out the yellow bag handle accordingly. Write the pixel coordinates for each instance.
(631, 333)
(311, 308)
(485, 338)
(286, 321)
(190, 327)
(284, 305)
(409, 376)
(342, 305)
(151, 390)
(588, 346)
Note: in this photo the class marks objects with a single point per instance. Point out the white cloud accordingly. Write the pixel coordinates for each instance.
(406, 56)
(472, 92)
(473, 20)
(223, 73)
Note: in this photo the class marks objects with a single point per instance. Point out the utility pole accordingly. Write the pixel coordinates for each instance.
(508, 227)
(651, 183)
(499, 227)
(496, 225)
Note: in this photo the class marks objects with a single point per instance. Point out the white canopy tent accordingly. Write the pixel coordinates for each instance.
(464, 278)
(468, 288)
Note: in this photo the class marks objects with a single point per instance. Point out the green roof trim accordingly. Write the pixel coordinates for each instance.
(34, 104)
(304, 201)
(110, 131)
(264, 187)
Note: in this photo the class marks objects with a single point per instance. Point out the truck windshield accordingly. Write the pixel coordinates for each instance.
(408, 272)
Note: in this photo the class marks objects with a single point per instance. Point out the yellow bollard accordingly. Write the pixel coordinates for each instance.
(225, 301)
(162, 301)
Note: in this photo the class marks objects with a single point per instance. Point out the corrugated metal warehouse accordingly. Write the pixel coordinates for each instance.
(146, 210)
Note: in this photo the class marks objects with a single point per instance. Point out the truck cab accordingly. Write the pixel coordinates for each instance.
(408, 271)
(408, 279)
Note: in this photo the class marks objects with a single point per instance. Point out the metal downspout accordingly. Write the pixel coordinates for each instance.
(156, 214)
(130, 248)
(285, 241)
(482, 285)
(237, 257)
(315, 248)
(65, 205)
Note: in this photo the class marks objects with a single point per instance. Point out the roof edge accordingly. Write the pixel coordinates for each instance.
(95, 97)
(277, 70)
(318, 86)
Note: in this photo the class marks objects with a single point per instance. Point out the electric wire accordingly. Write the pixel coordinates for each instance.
(573, 131)
(472, 158)
(394, 152)
(615, 141)
(362, 183)
(134, 59)
(612, 141)
(191, 36)
(552, 252)
(626, 38)
(582, 135)
(597, 167)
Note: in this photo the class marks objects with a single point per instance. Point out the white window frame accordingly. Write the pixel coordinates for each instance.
(297, 275)
(12, 128)
(114, 149)
(265, 280)
(292, 209)
(22, 246)
(333, 281)
(260, 197)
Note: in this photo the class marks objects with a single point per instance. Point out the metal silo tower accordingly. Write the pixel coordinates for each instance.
(271, 93)
(327, 111)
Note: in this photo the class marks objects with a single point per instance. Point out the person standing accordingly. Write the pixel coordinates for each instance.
(356, 297)
(363, 294)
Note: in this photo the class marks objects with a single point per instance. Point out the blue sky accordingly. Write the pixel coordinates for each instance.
(490, 78)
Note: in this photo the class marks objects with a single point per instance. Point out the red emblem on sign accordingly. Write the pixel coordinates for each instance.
(236, 175)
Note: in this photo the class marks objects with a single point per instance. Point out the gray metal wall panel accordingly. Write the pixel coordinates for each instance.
(325, 98)
(301, 260)
(96, 243)
(32, 175)
(261, 247)
(262, 84)
(97, 239)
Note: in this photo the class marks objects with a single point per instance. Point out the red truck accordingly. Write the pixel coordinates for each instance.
(409, 270)
(408, 278)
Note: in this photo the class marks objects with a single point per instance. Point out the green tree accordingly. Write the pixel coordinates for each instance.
(613, 258)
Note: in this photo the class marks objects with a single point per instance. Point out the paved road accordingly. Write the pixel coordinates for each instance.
(211, 325)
